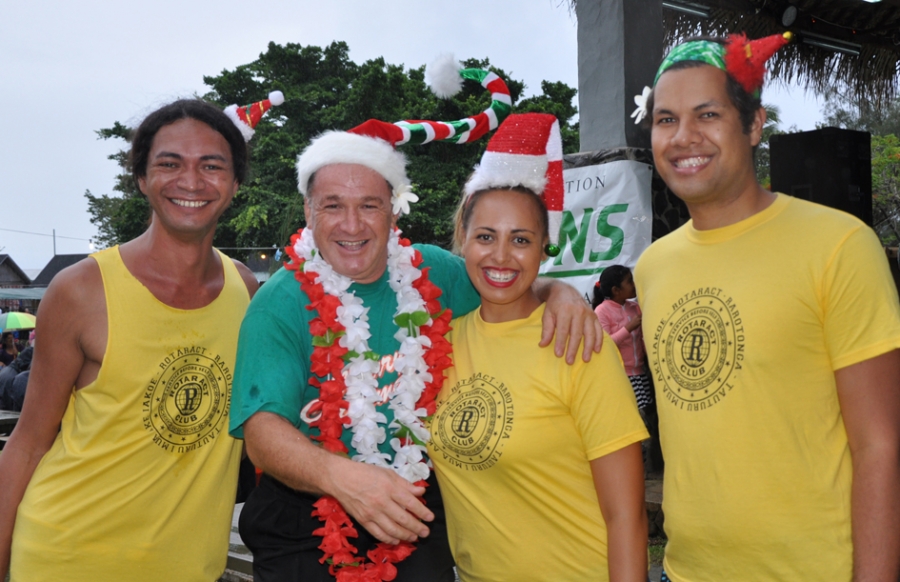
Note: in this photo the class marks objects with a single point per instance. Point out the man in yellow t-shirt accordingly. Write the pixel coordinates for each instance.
(772, 327)
(121, 467)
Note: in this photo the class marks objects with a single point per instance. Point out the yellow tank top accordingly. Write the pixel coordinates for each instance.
(140, 482)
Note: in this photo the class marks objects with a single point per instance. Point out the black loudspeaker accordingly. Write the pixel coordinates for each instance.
(829, 166)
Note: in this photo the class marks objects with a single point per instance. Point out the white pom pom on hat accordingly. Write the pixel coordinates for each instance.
(442, 75)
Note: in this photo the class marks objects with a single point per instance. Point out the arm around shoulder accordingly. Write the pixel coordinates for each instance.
(71, 314)
(570, 317)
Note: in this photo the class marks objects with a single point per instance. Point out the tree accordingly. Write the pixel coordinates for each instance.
(882, 120)
(843, 110)
(886, 188)
(325, 90)
(772, 127)
(118, 218)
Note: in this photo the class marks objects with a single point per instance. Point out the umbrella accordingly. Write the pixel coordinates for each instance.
(16, 320)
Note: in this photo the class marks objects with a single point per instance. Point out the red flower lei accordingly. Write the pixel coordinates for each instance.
(328, 359)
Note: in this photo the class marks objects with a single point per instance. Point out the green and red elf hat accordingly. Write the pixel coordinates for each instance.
(246, 117)
(745, 60)
(742, 59)
(526, 151)
(372, 143)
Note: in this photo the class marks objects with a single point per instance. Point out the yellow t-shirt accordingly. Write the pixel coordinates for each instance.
(512, 438)
(139, 484)
(744, 328)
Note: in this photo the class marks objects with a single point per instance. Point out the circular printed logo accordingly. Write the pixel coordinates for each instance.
(472, 423)
(698, 349)
(187, 402)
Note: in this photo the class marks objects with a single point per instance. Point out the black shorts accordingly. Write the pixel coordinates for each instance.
(276, 524)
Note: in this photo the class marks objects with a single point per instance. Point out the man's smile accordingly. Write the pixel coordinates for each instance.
(189, 203)
(692, 162)
(352, 245)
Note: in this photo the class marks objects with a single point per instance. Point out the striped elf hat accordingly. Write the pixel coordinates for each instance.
(372, 143)
(526, 151)
(246, 117)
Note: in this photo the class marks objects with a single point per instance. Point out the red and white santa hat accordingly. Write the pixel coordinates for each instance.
(526, 150)
(246, 117)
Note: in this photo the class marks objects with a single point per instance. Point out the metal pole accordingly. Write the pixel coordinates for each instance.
(54, 242)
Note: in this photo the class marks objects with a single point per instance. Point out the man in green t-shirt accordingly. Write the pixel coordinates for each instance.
(772, 328)
(354, 188)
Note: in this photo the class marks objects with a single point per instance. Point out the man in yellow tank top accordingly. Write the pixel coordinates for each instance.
(121, 467)
(772, 328)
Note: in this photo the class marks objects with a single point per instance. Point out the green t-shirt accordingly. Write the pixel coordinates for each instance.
(274, 348)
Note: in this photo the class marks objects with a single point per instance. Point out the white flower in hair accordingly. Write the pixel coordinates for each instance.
(641, 101)
(402, 198)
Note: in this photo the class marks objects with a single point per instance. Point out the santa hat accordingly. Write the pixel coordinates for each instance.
(246, 117)
(371, 144)
(526, 151)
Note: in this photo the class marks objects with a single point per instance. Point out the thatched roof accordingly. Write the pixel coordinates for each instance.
(874, 27)
(871, 28)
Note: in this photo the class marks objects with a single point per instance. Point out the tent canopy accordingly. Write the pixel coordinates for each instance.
(36, 293)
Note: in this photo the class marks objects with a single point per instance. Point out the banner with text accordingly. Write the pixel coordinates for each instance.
(607, 221)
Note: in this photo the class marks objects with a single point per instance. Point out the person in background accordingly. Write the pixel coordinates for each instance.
(620, 317)
(538, 461)
(8, 349)
(14, 379)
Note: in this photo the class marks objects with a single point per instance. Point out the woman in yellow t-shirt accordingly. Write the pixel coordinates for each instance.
(539, 462)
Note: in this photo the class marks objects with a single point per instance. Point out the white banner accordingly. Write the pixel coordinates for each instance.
(607, 221)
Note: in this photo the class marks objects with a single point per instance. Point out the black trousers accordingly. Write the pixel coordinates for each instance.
(276, 524)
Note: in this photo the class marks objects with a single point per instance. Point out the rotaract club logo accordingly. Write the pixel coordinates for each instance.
(698, 350)
(186, 405)
(472, 423)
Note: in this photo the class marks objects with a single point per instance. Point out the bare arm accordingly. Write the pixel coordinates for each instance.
(379, 499)
(570, 317)
(248, 277)
(869, 394)
(59, 364)
(619, 479)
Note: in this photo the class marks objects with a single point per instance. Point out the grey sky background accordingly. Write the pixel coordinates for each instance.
(68, 69)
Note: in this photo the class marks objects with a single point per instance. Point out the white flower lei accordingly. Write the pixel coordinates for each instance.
(367, 424)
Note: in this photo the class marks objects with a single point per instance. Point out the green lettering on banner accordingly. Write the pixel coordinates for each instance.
(615, 234)
(569, 232)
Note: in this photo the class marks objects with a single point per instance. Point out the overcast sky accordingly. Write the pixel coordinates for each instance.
(71, 68)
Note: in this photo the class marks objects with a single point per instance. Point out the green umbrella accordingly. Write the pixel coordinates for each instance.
(16, 320)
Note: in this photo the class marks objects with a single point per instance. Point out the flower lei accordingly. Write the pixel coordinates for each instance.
(349, 396)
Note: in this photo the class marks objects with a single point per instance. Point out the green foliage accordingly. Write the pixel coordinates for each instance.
(122, 217)
(886, 187)
(882, 120)
(763, 158)
(325, 90)
(850, 113)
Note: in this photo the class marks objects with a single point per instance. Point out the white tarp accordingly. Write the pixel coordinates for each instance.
(607, 221)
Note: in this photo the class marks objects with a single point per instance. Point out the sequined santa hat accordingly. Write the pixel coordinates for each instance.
(372, 143)
(526, 151)
(247, 117)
